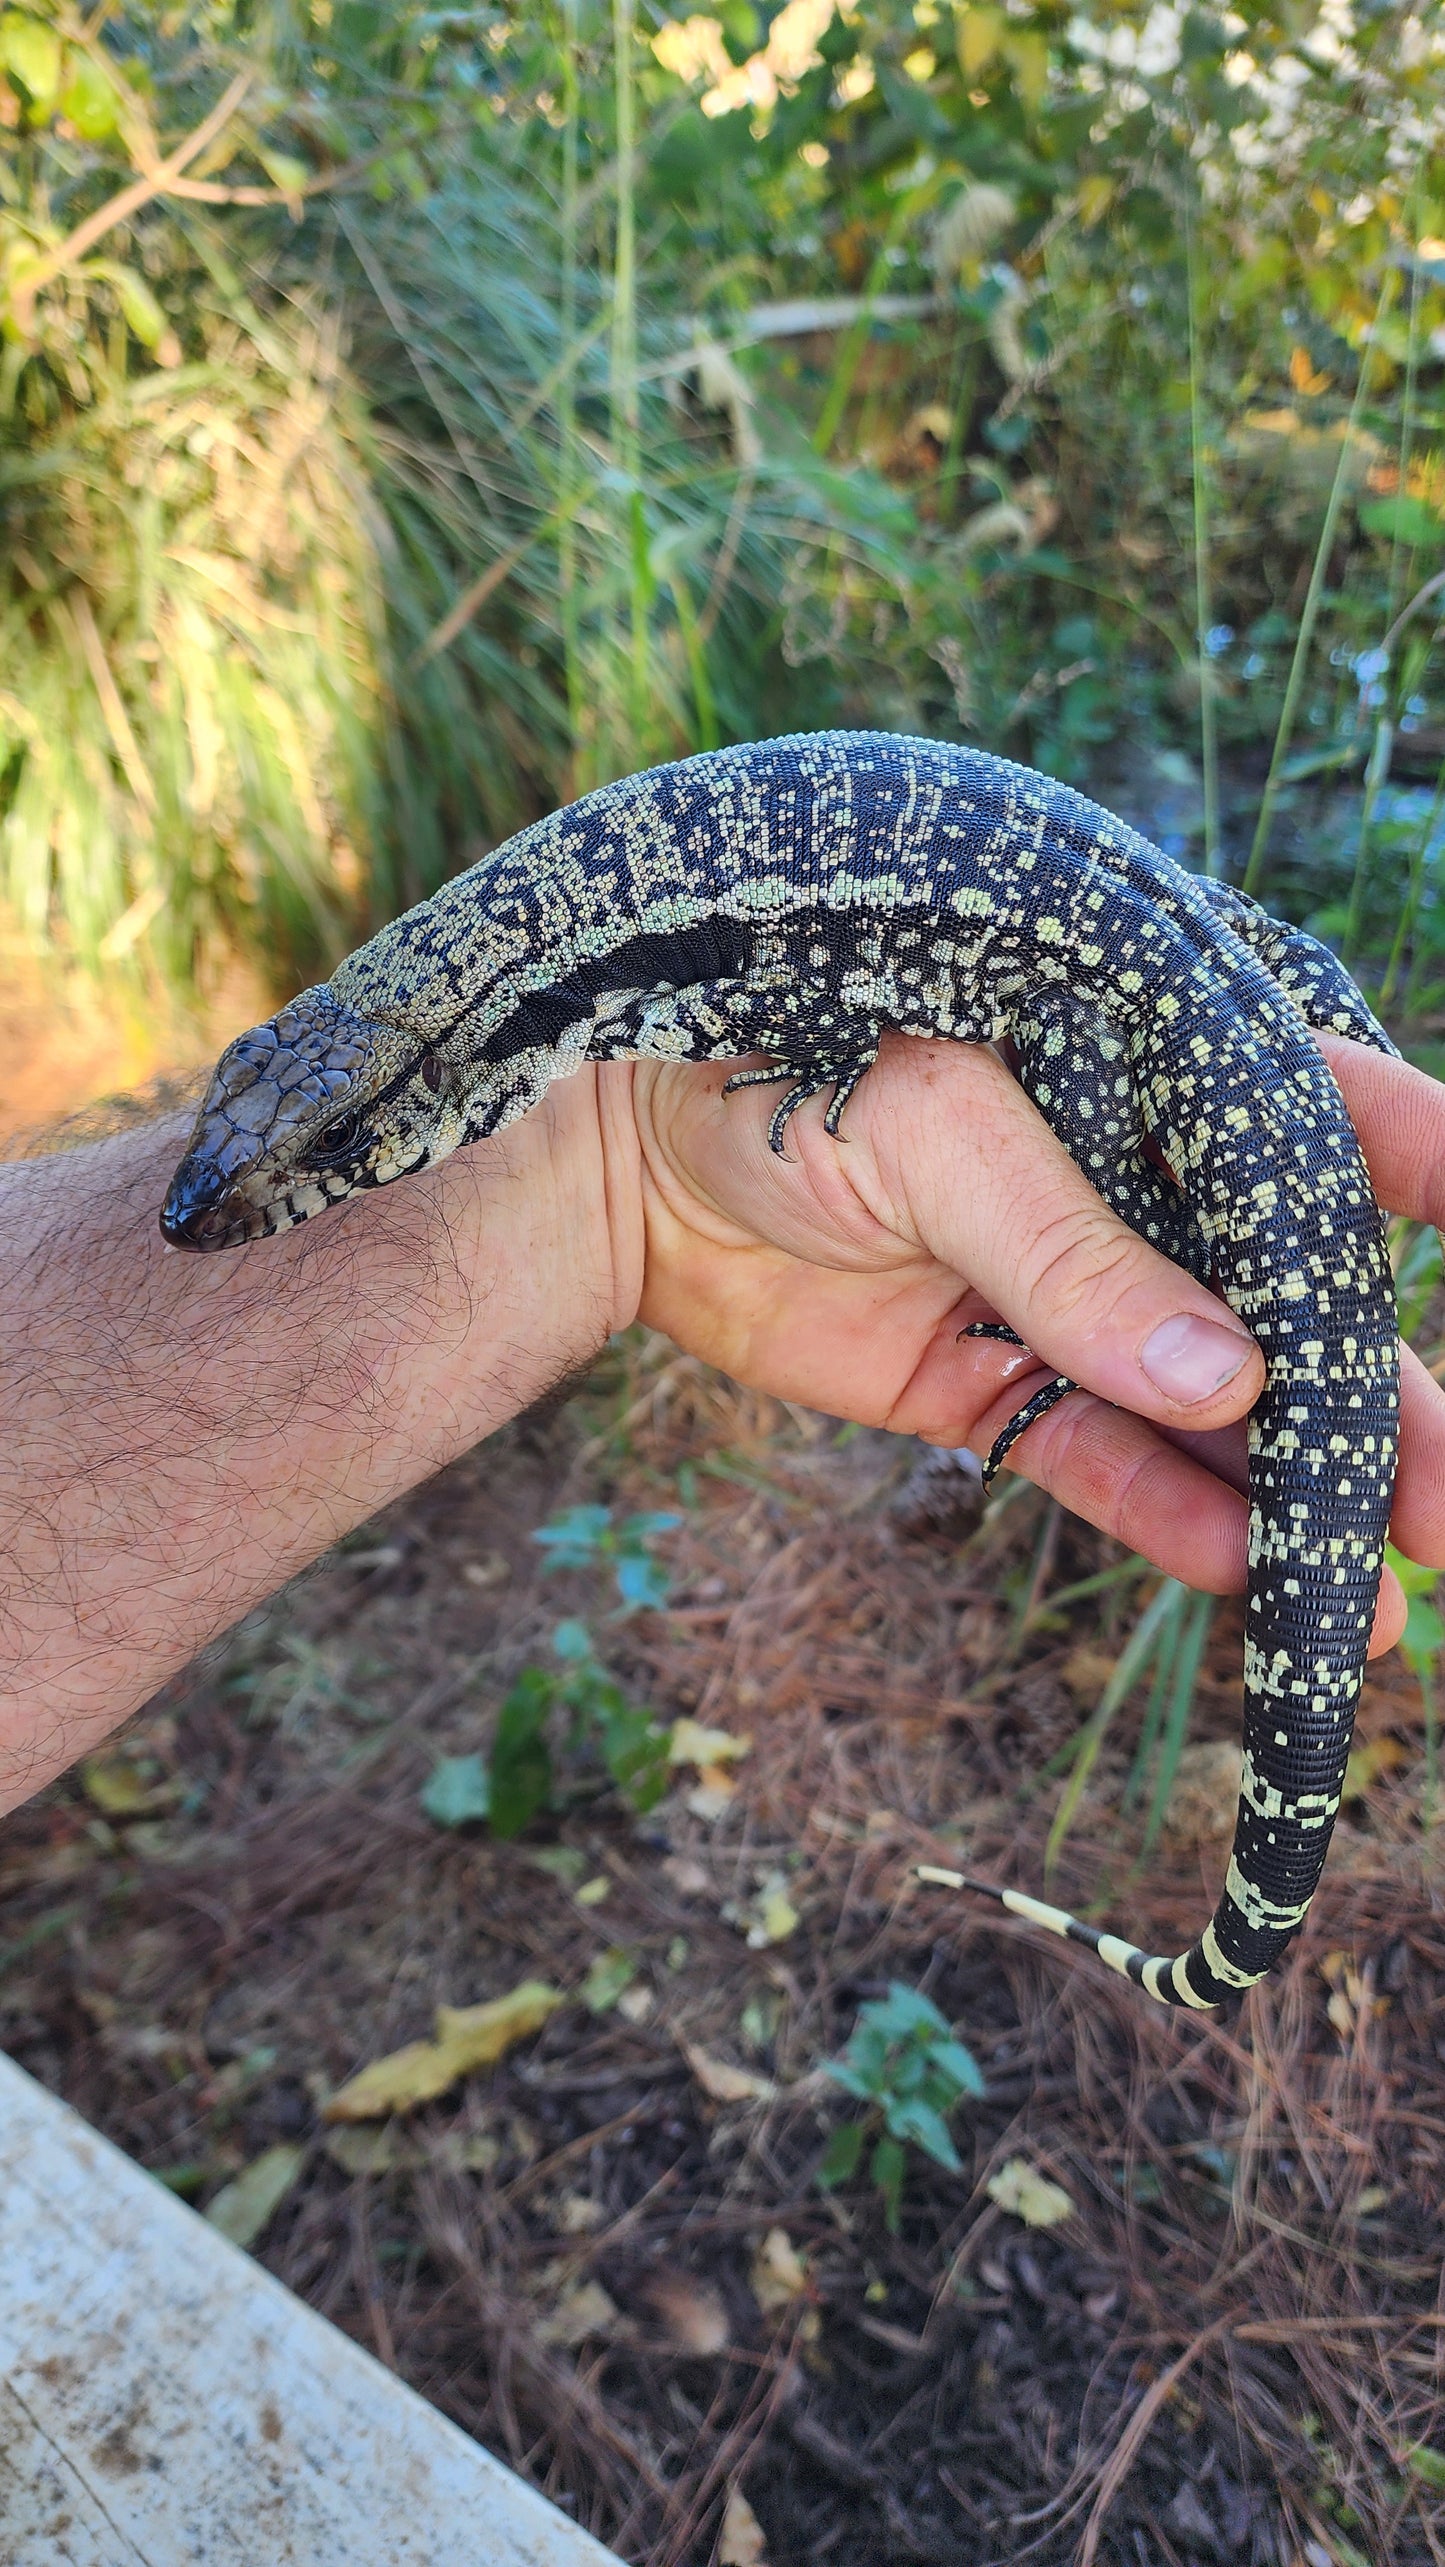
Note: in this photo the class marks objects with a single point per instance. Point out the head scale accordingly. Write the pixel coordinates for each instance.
(319, 1103)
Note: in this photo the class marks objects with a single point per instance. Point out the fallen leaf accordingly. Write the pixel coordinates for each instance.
(608, 1975)
(712, 1795)
(687, 1875)
(1373, 2198)
(692, 2311)
(242, 2208)
(587, 2310)
(467, 2037)
(774, 1915)
(1366, 1764)
(593, 1892)
(367, 2152)
(724, 2083)
(690, 1743)
(464, 2152)
(636, 2003)
(492, 1571)
(577, 2214)
(125, 1786)
(1020, 2188)
(741, 2543)
(565, 1863)
(778, 2273)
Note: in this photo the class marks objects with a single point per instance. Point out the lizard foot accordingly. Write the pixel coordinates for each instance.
(808, 1079)
(1043, 1400)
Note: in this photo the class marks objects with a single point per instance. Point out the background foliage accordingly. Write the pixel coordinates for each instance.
(410, 417)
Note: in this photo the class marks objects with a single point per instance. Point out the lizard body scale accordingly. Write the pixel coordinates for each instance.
(795, 897)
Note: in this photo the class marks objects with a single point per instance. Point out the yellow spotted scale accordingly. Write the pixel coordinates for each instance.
(795, 897)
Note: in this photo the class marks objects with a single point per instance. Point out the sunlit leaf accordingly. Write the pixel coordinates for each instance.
(32, 51)
(467, 2038)
(1020, 2188)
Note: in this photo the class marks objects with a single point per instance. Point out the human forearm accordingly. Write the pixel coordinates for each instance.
(182, 1434)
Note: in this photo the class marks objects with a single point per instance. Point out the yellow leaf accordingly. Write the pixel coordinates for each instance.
(1096, 195)
(119, 1786)
(1303, 376)
(741, 2543)
(726, 2084)
(242, 2208)
(712, 1794)
(774, 1915)
(691, 1744)
(1367, 1763)
(778, 2275)
(467, 2037)
(1020, 2188)
(979, 33)
(1028, 52)
(589, 2310)
(593, 1892)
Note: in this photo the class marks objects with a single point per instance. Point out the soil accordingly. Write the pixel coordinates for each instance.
(609, 2256)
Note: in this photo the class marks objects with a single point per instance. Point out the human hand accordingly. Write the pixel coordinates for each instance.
(842, 1276)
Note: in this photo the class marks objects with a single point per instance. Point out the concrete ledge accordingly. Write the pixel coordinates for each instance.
(165, 2403)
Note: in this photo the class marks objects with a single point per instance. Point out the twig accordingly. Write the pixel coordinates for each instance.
(129, 201)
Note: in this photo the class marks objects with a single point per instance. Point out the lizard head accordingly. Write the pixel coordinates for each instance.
(320, 1102)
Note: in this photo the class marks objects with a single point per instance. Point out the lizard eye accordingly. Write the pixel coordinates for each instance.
(340, 1137)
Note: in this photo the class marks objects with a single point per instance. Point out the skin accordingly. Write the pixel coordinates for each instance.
(183, 1434)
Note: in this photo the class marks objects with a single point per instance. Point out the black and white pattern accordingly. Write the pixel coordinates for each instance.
(799, 896)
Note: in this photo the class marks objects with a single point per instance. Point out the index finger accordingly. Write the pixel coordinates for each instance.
(1399, 1115)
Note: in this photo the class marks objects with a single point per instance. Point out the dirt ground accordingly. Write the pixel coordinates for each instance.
(609, 2256)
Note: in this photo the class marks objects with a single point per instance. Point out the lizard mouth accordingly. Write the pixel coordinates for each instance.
(201, 1210)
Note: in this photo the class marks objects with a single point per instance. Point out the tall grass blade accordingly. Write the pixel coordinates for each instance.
(1309, 613)
(1133, 1663)
(1193, 1640)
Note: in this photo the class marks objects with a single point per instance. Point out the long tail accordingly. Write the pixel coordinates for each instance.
(1157, 1976)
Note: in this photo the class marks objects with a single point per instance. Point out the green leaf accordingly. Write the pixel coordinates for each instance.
(1426, 2463)
(1402, 520)
(521, 1763)
(574, 1538)
(958, 2066)
(143, 314)
(887, 2172)
(88, 98)
(608, 1975)
(905, 2010)
(573, 1640)
(913, 2119)
(839, 2161)
(643, 1528)
(848, 2077)
(1423, 1634)
(459, 1791)
(642, 1583)
(32, 51)
(283, 169)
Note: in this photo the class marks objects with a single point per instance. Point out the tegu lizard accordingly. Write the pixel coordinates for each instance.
(796, 897)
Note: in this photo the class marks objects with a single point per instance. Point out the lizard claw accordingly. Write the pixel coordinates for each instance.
(1043, 1399)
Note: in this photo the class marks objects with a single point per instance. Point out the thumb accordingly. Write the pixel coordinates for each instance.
(1030, 1233)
